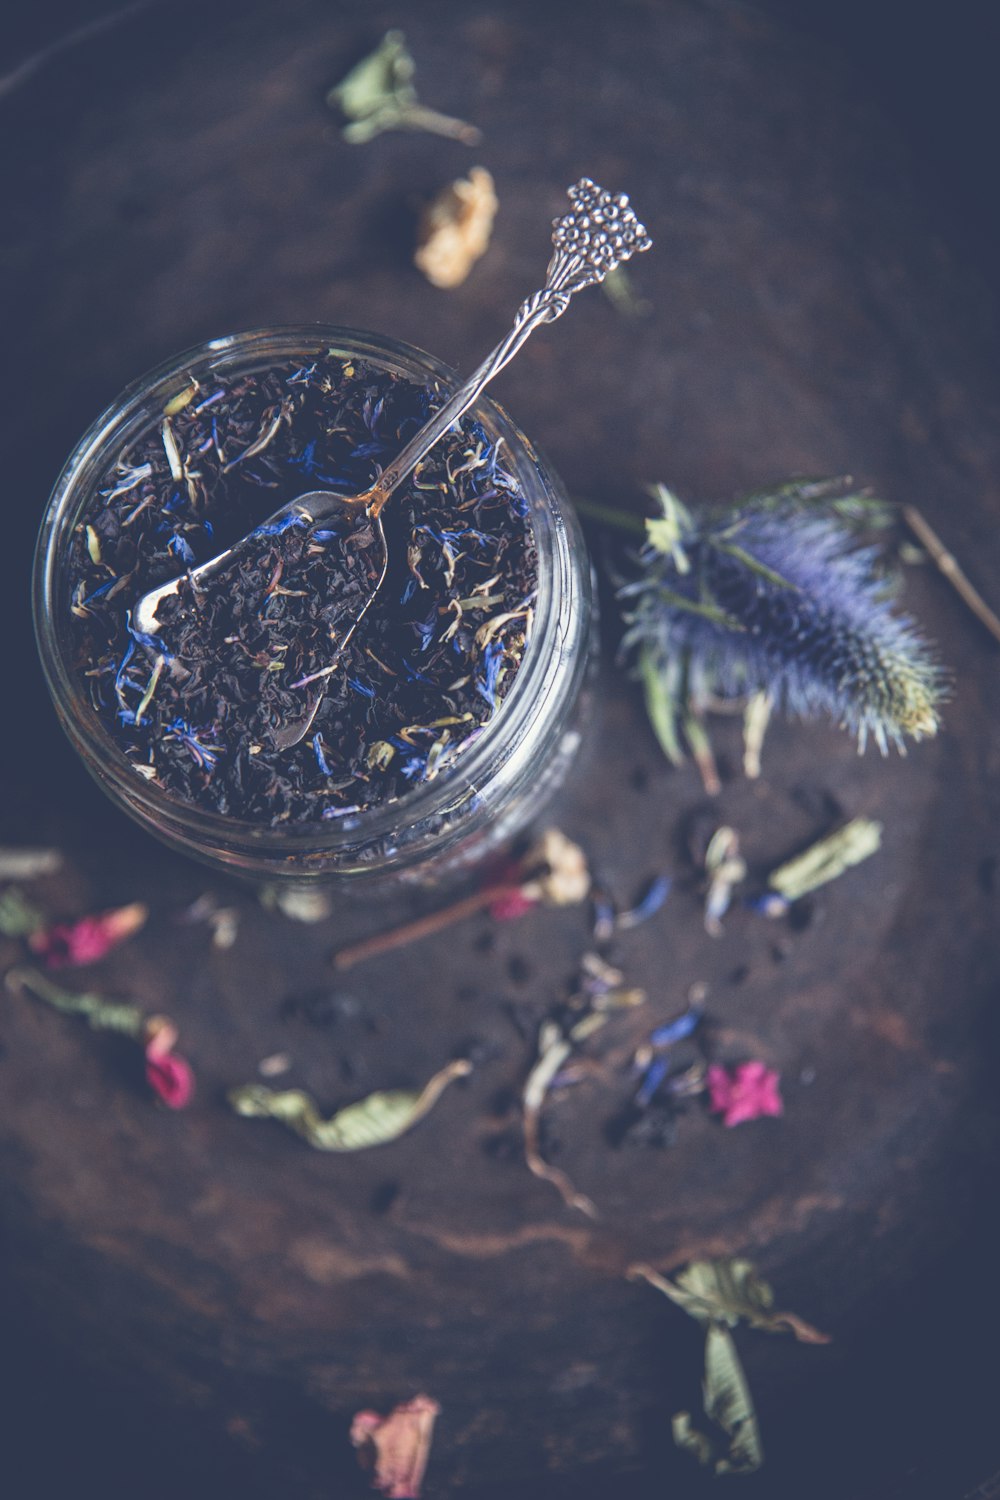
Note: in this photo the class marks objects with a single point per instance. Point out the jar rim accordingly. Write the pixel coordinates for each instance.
(126, 416)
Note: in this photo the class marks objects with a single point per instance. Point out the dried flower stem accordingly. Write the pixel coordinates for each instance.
(702, 754)
(421, 927)
(949, 568)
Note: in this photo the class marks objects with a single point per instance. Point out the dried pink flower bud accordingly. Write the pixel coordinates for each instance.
(169, 1076)
(89, 939)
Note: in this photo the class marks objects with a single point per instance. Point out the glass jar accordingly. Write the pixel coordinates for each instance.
(499, 782)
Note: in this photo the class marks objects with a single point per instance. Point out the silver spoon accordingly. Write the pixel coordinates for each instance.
(597, 234)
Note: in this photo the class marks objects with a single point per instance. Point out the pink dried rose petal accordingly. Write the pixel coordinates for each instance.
(169, 1076)
(743, 1093)
(89, 939)
(397, 1447)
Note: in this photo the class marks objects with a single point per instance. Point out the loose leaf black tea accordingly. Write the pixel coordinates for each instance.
(241, 653)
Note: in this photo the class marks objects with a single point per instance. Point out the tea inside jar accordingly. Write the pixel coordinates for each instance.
(193, 706)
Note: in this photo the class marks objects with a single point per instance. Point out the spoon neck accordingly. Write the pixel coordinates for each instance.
(531, 314)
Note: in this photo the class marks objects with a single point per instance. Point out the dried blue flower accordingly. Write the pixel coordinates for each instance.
(776, 596)
(655, 895)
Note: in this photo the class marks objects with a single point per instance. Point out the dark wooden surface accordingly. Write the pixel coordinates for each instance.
(200, 1300)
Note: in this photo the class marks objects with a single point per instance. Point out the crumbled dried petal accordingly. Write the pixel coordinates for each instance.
(743, 1093)
(397, 1447)
(169, 1076)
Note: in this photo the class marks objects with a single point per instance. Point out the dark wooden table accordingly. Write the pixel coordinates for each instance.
(201, 1301)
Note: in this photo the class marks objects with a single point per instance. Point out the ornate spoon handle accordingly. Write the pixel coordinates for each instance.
(598, 233)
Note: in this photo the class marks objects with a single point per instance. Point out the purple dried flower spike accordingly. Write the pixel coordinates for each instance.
(775, 596)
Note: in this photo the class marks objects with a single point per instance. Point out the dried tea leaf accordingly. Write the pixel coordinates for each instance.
(379, 94)
(827, 859)
(454, 232)
(726, 1291)
(18, 918)
(373, 1121)
(729, 1405)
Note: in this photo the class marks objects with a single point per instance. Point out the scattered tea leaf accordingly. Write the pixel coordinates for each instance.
(719, 1294)
(727, 1291)
(18, 918)
(374, 1121)
(379, 94)
(729, 1406)
(826, 860)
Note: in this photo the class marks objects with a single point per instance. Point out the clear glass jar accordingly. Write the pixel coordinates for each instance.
(495, 787)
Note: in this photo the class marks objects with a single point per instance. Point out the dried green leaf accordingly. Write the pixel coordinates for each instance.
(379, 94)
(383, 75)
(729, 1406)
(661, 704)
(374, 1121)
(726, 1291)
(827, 859)
(18, 917)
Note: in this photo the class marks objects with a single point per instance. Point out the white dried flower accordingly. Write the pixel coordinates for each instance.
(455, 229)
(564, 879)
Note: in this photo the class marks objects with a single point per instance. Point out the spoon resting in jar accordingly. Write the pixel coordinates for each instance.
(598, 233)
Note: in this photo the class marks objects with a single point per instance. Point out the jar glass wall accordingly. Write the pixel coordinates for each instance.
(494, 787)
